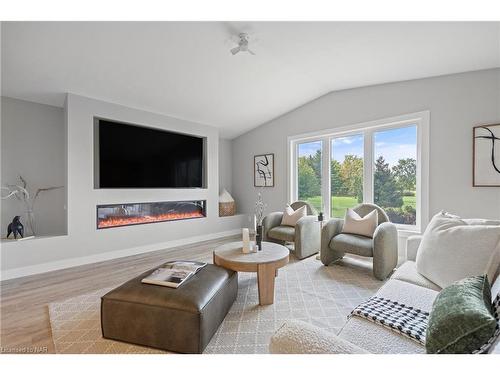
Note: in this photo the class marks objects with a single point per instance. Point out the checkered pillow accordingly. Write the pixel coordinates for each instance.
(405, 320)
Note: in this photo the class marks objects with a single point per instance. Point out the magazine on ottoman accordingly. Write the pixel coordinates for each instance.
(173, 274)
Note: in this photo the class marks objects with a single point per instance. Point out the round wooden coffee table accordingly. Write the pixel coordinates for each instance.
(265, 262)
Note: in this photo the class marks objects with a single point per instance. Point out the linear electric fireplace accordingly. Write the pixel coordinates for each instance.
(119, 215)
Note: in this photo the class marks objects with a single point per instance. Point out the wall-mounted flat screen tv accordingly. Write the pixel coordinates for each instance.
(132, 156)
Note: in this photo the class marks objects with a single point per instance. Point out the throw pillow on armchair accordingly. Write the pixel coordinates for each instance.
(290, 217)
(364, 226)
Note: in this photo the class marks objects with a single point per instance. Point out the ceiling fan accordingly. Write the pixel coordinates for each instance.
(242, 45)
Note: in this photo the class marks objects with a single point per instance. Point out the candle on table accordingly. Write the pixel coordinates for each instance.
(246, 240)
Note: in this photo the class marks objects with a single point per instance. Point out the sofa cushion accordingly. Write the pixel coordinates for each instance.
(408, 272)
(452, 249)
(282, 233)
(379, 339)
(461, 320)
(353, 244)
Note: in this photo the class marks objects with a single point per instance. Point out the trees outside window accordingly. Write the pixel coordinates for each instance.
(346, 173)
(395, 174)
(308, 180)
(386, 191)
(309, 173)
(405, 173)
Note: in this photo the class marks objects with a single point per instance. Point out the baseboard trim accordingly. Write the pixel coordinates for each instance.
(80, 261)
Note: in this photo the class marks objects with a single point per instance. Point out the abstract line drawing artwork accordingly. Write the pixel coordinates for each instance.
(263, 170)
(486, 155)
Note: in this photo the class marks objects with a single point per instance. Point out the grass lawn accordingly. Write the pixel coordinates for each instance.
(410, 201)
(340, 204)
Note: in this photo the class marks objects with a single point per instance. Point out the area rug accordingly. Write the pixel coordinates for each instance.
(305, 290)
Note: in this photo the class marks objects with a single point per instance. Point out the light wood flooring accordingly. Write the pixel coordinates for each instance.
(24, 317)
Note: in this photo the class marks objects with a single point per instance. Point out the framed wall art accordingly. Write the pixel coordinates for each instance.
(263, 170)
(486, 155)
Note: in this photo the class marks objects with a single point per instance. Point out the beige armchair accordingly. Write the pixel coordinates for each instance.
(305, 235)
(383, 247)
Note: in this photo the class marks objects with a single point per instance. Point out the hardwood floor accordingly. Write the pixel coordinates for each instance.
(24, 318)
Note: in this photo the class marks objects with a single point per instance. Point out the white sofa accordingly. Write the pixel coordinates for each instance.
(359, 335)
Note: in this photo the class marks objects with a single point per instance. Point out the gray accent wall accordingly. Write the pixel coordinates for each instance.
(33, 146)
(456, 104)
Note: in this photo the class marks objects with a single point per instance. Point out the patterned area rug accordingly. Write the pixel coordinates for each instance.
(305, 290)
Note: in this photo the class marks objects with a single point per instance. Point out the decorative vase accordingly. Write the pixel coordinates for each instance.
(31, 223)
(258, 237)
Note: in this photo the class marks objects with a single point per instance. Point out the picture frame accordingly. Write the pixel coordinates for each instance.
(486, 155)
(263, 170)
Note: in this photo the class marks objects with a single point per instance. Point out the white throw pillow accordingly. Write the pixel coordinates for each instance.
(290, 217)
(355, 224)
(452, 249)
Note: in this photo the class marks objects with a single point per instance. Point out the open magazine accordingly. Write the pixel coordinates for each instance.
(174, 274)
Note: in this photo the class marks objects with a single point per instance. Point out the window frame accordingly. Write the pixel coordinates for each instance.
(419, 119)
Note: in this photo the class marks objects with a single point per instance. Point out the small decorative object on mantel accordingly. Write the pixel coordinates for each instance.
(15, 228)
(260, 207)
(21, 193)
(486, 155)
(263, 166)
(227, 206)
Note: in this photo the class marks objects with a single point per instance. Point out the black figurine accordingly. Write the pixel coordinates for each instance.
(16, 227)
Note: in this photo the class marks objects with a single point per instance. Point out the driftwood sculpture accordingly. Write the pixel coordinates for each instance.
(21, 193)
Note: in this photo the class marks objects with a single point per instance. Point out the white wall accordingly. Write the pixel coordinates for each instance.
(456, 104)
(84, 243)
(225, 165)
(33, 146)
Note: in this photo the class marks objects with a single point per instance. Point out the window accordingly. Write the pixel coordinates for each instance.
(395, 173)
(346, 173)
(383, 162)
(309, 173)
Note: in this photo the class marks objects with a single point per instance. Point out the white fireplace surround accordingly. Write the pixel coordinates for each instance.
(83, 243)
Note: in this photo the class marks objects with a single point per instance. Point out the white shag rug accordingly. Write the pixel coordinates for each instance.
(305, 290)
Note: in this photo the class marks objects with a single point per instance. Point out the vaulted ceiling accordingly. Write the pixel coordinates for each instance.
(185, 69)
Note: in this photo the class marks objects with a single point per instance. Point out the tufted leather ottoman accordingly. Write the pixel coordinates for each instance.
(179, 320)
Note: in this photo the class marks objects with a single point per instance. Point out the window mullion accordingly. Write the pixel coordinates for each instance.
(326, 179)
(296, 173)
(368, 167)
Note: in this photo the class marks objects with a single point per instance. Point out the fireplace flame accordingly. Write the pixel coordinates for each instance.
(115, 221)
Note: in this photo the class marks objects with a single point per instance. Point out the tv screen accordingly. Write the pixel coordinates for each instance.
(130, 156)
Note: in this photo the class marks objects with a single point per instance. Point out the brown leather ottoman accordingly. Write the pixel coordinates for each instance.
(180, 320)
